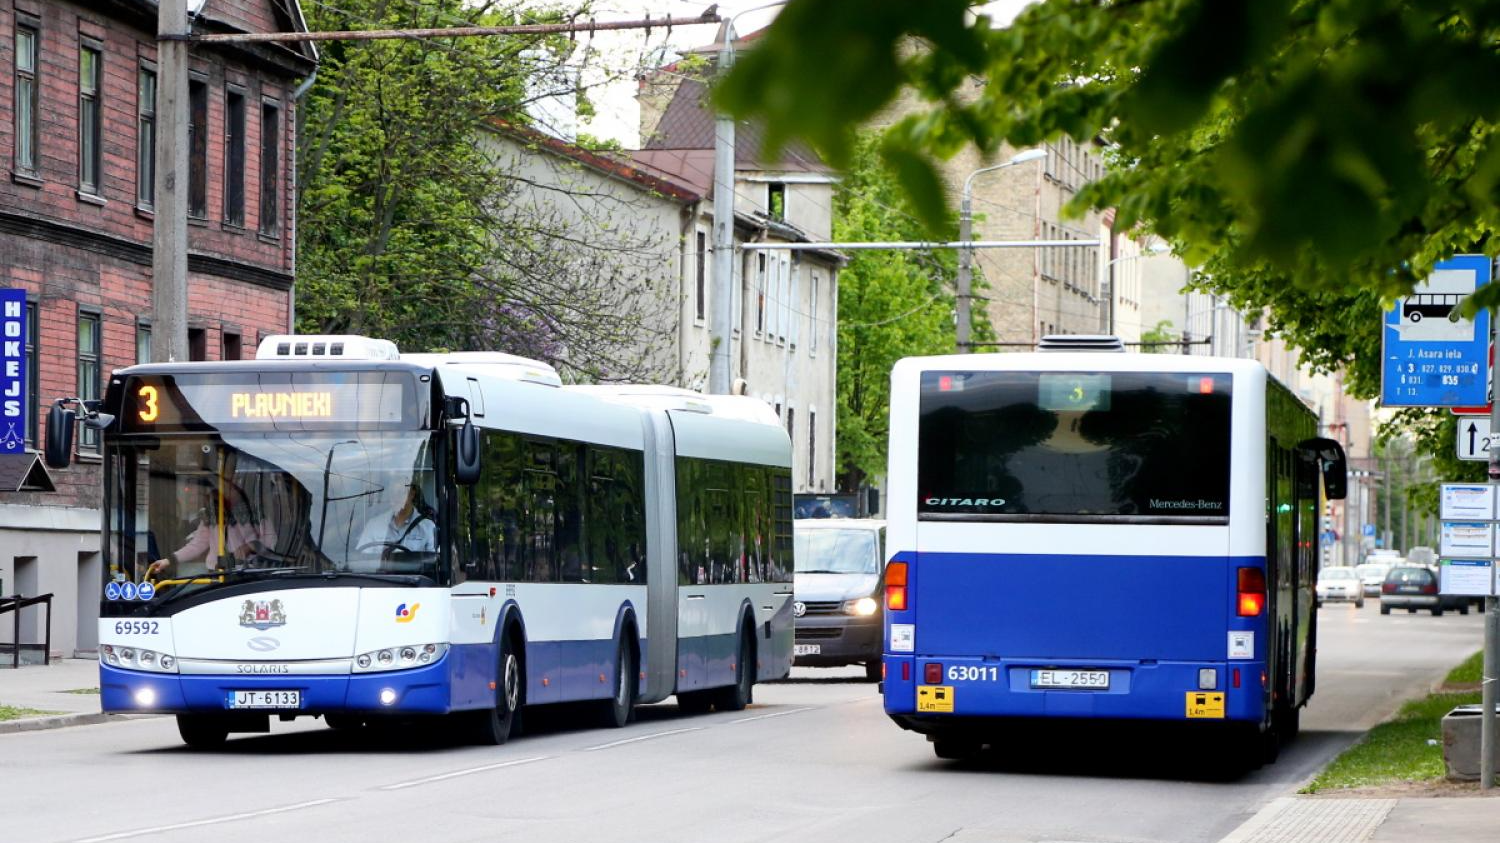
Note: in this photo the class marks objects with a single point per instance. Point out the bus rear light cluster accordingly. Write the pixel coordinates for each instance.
(1251, 600)
(895, 587)
(932, 673)
(135, 658)
(399, 658)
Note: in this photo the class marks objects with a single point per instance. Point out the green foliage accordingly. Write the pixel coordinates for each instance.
(1395, 751)
(891, 304)
(1469, 672)
(1154, 341)
(1313, 157)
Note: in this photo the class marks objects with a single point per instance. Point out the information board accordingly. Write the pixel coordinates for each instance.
(1431, 356)
(1473, 502)
(1474, 577)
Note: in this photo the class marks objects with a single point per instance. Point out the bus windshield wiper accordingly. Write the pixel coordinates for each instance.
(825, 571)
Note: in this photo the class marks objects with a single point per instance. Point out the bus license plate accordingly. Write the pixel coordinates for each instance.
(1094, 680)
(265, 699)
(806, 649)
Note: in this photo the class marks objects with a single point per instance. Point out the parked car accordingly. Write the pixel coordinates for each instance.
(1340, 585)
(1410, 587)
(837, 601)
(1372, 575)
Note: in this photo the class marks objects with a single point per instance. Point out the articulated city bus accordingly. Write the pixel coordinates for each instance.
(335, 529)
(1101, 535)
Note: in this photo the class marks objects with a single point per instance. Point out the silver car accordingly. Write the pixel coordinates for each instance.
(1340, 584)
(1372, 574)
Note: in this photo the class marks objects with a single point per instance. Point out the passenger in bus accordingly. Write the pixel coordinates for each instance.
(244, 531)
(406, 527)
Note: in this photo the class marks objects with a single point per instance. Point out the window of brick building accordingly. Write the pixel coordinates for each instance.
(89, 345)
(197, 344)
(197, 148)
(699, 292)
(270, 168)
(231, 346)
(145, 138)
(90, 158)
(26, 96)
(234, 157)
(143, 342)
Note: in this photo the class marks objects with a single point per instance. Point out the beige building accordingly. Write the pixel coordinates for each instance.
(656, 205)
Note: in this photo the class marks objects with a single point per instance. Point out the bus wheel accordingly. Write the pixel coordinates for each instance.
(202, 731)
(737, 696)
(1288, 723)
(493, 726)
(617, 710)
(873, 672)
(1415, 316)
(343, 721)
(955, 749)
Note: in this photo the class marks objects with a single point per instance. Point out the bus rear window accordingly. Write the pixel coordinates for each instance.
(1074, 446)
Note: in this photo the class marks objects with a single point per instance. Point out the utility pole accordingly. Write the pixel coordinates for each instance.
(721, 326)
(169, 229)
(1491, 673)
(965, 277)
(1387, 485)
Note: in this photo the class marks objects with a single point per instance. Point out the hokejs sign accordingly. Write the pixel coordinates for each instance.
(12, 371)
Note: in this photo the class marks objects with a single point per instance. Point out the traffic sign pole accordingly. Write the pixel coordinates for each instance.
(1491, 622)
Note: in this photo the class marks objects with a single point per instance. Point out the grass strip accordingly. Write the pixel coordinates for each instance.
(1397, 750)
(1467, 673)
(10, 712)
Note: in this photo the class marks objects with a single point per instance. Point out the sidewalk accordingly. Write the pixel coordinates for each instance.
(1331, 819)
(45, 688)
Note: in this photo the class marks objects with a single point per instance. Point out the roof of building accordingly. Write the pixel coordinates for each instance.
(618, 166)
(687, 123)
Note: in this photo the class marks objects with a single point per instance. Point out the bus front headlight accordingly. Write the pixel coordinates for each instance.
(134, 658)
(862, 607)
(399, 657)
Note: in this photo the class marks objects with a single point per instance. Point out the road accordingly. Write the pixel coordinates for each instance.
(815, 758)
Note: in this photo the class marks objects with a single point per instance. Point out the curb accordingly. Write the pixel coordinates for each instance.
(37, 724)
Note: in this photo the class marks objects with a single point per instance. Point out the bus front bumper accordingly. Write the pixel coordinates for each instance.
(421, 690)
(971, 689)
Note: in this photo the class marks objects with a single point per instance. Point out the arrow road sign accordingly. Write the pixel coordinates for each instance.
(1474, 438)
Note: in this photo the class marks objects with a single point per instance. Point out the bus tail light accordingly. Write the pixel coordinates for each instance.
(1252, 592)
(895, 586)
(932, 673)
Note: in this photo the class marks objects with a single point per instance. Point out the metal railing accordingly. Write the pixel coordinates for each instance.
(15, 603)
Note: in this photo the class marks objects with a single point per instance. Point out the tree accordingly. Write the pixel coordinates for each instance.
(891, 304)
(1313, 156)
(412, 226)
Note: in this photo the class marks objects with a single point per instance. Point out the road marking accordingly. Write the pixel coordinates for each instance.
(456, 773)
(774, 714)
(651, 736)
(212, 821)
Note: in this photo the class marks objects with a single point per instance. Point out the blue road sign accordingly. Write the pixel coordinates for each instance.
(1430, 356)
(12, 371)
(1368, 529)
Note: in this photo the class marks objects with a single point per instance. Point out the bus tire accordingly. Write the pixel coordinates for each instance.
(741, 693)
(495, 725)
(202, 731)
(619, 709)
(874, 671)
(1415, 316)
(343, 722)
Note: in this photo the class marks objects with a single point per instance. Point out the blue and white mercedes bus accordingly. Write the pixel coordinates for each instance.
(1101, 535)
(335, 529)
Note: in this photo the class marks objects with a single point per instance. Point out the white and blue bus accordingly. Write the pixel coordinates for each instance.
(335, 529)
(1101, 535)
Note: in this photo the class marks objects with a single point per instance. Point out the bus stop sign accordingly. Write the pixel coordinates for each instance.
(1430, 356)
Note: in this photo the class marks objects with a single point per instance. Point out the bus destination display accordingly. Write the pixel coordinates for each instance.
(165, 403)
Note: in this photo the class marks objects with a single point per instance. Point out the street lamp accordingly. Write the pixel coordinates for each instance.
(966, 235)
(1156, 247)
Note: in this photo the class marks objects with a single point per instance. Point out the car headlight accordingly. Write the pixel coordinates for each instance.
(399, 658)
(863, 607)
(135, 658)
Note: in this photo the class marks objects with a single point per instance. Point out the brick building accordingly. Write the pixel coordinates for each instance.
(77, 139)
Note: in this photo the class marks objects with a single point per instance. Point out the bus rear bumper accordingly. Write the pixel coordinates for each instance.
(423, 690)
(972, 688)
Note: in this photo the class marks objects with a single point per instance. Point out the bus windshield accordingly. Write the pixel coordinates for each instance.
(1073, 446)
(835, 552)
(191, 510)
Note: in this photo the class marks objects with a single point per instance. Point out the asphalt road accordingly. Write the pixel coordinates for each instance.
(814, 759)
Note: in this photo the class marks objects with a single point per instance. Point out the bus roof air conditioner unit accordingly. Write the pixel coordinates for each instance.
(1080, 342)
(325, 347)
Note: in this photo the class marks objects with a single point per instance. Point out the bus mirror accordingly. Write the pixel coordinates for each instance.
(466, 455)
(59, 445)
(1331, 459)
